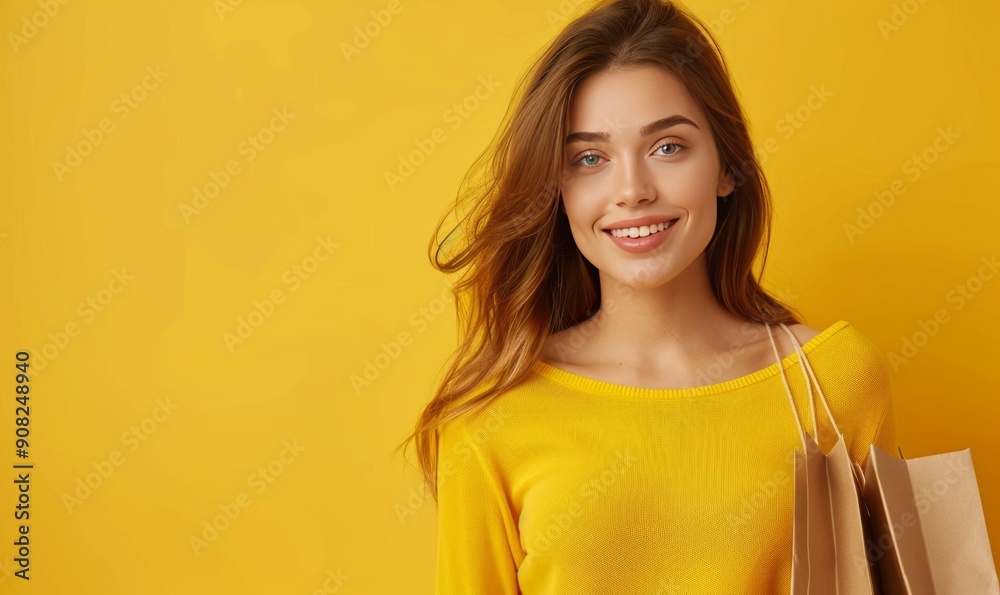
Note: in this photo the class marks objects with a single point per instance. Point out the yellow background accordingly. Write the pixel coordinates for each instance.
(311, 236)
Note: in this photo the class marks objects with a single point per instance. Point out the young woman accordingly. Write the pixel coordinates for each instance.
(615, 419)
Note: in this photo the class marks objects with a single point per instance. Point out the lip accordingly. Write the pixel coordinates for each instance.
(642, 244)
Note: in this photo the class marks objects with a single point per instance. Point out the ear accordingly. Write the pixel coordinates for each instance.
(725, 186)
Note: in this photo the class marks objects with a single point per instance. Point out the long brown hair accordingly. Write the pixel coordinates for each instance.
(524, 277)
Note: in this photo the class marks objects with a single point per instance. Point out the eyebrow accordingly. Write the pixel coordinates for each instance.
(657, 126)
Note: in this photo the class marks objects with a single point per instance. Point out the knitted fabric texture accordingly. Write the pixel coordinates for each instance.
(572, 485)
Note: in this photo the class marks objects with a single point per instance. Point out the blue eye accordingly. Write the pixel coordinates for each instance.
(591, 160)
(679, 147)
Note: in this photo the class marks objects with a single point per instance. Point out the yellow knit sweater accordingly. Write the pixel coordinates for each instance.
(568, 485)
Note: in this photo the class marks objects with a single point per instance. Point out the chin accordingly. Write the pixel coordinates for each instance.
(640, 277)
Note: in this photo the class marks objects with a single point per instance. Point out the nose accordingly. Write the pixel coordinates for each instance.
(634, 185)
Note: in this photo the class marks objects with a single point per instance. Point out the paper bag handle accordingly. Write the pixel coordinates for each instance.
(806, 373)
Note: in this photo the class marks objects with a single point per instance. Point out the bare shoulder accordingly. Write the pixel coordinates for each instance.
(803, 333)
(762, 351)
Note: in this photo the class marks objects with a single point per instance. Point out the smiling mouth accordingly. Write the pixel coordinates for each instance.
(640, 231)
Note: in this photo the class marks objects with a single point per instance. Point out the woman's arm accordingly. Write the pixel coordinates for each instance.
(475, 525)
(886, 436)
(873, 383)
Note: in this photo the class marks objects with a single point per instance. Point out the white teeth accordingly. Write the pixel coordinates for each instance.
(640, 232)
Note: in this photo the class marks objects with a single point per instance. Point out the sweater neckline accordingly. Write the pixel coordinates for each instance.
(578, 381)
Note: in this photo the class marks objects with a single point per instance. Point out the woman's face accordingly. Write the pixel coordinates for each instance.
(639, 147)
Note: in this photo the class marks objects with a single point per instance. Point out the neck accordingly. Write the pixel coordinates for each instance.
(678, 321)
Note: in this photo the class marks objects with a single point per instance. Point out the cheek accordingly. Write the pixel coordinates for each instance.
(583, 207)
(689, 185)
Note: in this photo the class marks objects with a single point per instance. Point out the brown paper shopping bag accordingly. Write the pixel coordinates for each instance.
(922, 519)
(928, 525)
(830, 521)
